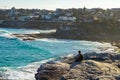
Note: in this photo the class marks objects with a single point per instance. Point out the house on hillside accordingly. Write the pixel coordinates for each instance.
(68, 14)
(66, 18)
(46, 16)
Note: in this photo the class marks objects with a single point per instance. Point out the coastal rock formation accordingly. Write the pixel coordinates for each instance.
(102, 56)
(92, 70)
(96, 66)
(28, 37)
(52, 71)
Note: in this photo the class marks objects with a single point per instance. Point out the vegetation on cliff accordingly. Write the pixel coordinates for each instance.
(107, 31)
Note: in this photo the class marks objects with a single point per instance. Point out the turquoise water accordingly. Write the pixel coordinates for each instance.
(16, 54)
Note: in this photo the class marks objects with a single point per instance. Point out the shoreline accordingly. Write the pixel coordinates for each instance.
(95, 31)
(68, 61)
(27, 37)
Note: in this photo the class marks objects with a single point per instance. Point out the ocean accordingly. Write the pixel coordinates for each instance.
(19, 59)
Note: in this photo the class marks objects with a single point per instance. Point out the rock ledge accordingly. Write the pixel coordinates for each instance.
(96, 66)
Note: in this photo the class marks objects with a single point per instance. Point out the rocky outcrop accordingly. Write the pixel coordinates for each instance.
(25, 37)
(92, 70)
(28, 37)
(52, 71)
(102, 56)
(96, 66)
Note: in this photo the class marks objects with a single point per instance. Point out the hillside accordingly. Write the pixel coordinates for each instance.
(104, 31)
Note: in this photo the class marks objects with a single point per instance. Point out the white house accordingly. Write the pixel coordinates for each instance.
(48, 17)
(65, 18)
(68, 14)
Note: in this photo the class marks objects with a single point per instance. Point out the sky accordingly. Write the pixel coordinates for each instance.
(53, 4)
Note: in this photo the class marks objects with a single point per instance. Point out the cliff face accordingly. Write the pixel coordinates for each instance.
(91, 31)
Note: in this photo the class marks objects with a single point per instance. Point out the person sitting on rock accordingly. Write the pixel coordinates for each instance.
(79, 57)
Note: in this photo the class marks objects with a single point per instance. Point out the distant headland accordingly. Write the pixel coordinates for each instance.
(94, 24)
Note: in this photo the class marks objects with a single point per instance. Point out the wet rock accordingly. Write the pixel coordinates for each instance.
(28, 38)
(24, 37)
(52, 71)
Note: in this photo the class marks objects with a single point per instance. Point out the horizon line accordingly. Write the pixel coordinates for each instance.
(61, 8)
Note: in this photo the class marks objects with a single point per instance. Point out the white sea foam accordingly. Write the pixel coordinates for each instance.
(12, 74)
(2, 32)
(59, 40)
(47, 31)
(5, 33)
(32, 67)
(80, 45)
(23, 72)
(51, 40)
(8, 36)
(26, 31)
(33, 31)
(85, 43)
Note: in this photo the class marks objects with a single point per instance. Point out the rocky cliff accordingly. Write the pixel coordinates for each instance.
(96, 66)
(103, 32)
(90, 31)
